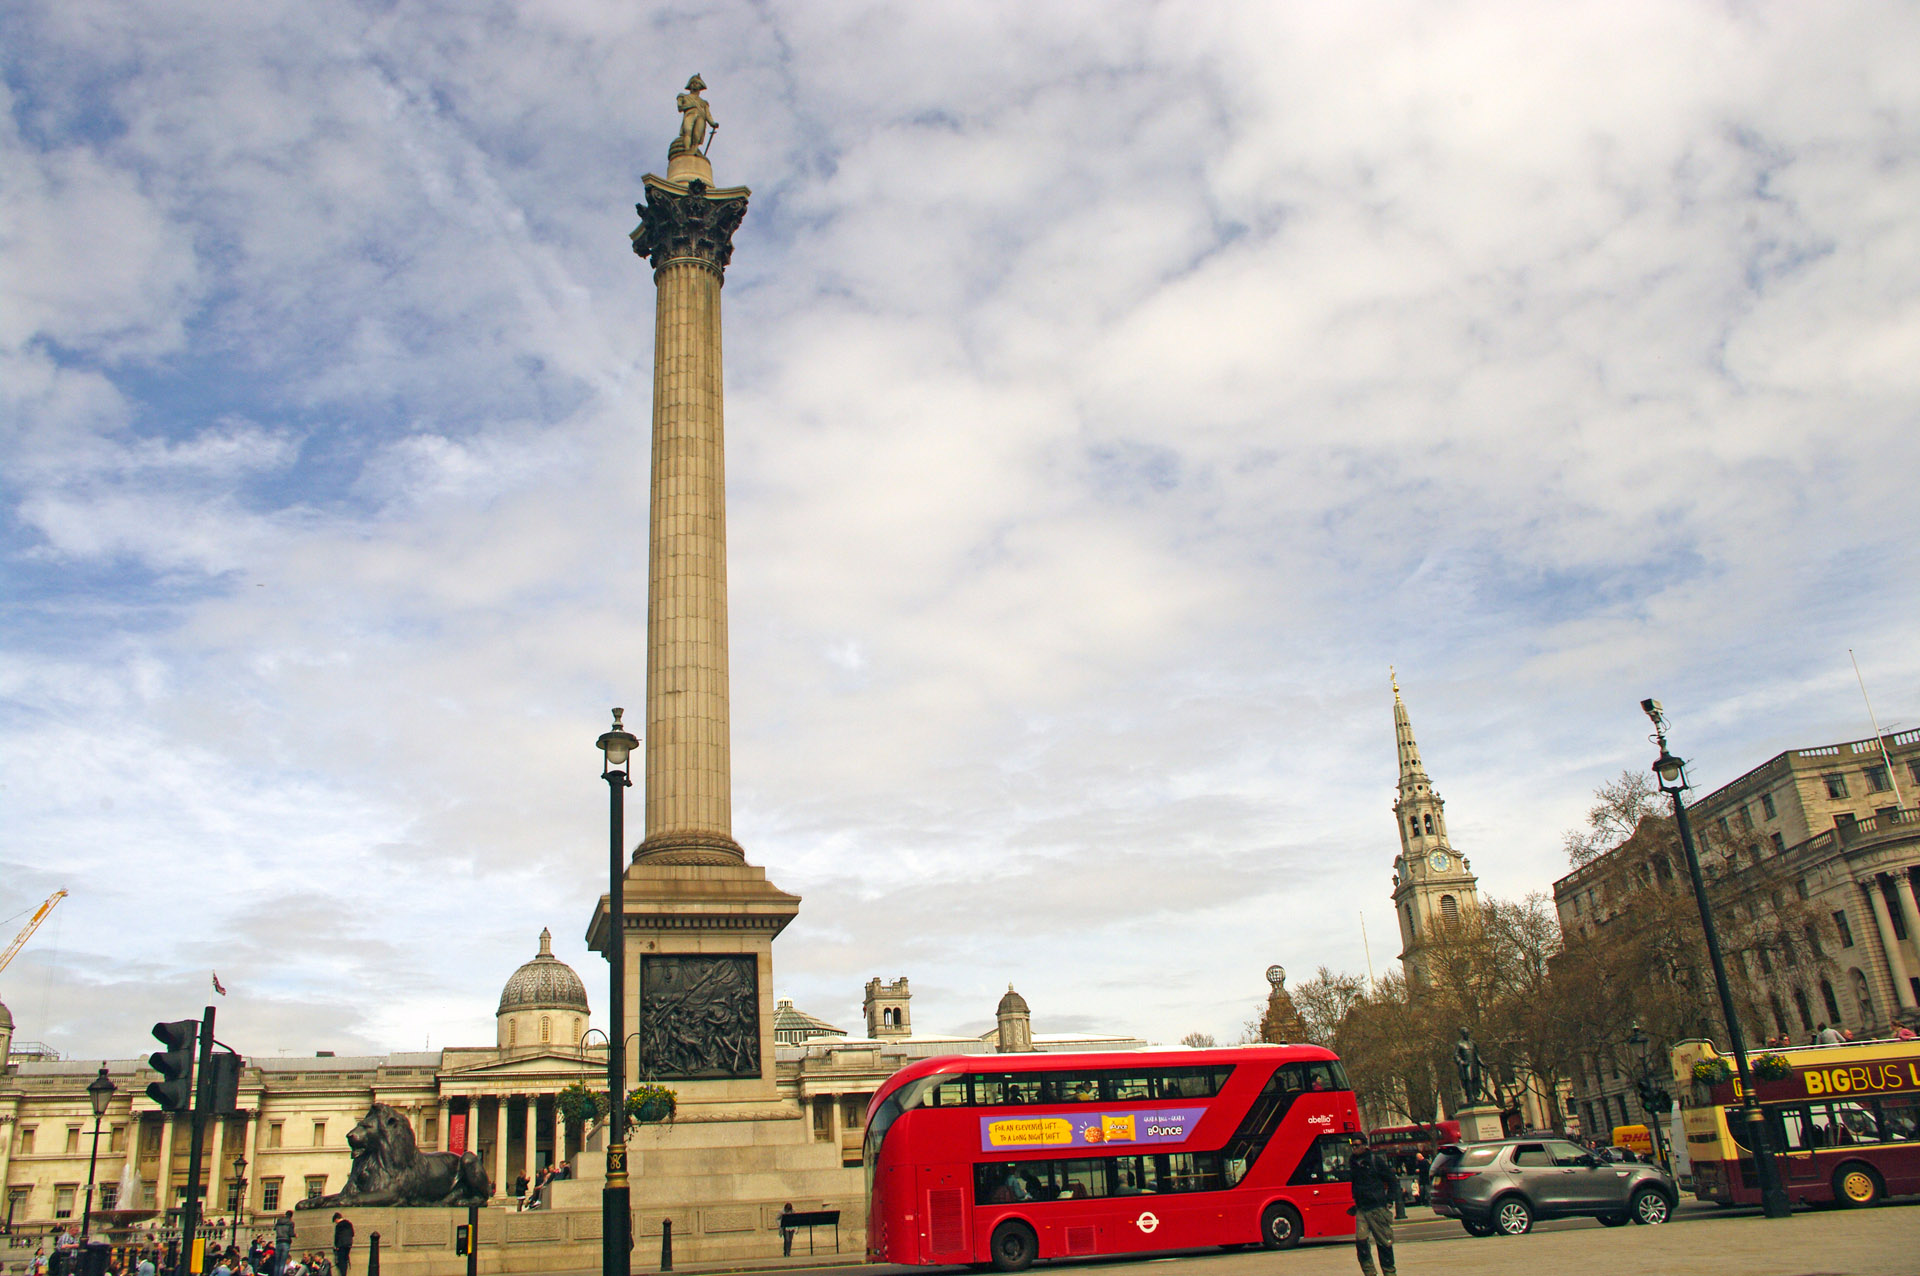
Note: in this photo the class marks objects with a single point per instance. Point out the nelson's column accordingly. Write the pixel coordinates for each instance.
(699, 921)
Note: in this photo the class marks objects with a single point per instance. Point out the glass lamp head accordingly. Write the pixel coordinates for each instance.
(617, 743)
(100, 1092)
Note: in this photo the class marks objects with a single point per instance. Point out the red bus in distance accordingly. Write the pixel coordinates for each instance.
(1007, 1158)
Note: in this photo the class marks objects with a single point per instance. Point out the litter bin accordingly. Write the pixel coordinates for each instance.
(57, 1262)
(95, 1259)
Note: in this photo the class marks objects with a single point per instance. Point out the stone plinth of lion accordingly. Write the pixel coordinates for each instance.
(390, 1169)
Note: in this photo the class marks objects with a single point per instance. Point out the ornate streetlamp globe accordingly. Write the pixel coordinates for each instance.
(1669, 768)
(239, 1166)
(100, 1092)
(618, 742)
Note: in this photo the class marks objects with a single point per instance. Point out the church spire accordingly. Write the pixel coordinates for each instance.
(1433, 887)
(1413, 776)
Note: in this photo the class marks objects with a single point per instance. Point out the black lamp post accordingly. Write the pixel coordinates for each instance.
(617, 744)
(239, 1196)
(99, 1093)
(1672, 773)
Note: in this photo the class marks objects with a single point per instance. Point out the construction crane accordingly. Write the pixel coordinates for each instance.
(33, 924)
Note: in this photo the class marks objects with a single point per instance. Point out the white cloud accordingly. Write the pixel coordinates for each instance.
(1109, 403)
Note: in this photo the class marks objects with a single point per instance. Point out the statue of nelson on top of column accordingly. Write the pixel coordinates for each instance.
(696, 121)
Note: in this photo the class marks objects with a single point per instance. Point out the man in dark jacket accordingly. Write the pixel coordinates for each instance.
(1375, 1184)
(342, 1244)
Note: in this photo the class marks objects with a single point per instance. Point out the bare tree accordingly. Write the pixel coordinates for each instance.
(1324, 1002)
(1198, 1040)
(1622, 803)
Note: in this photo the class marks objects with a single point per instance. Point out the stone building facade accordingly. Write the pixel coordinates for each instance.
(1839, 827)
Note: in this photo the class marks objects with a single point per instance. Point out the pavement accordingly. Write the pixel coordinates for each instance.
(1701, 1241)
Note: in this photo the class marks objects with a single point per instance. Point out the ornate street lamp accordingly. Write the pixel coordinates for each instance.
(1672, 772)
(239, 1196)
(99, 1093)
(617, 744)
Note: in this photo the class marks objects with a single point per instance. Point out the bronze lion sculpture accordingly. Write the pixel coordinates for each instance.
(390, 1169)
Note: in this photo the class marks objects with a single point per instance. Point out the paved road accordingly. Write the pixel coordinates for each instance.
(1702, 1241)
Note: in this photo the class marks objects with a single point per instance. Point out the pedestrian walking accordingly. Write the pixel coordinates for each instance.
(1374, 1187)
(342, 1244)
(786, 1230)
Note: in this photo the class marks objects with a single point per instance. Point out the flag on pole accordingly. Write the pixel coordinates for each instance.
(216, 984)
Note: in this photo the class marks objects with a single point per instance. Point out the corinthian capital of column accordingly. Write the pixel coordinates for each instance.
(693, 222)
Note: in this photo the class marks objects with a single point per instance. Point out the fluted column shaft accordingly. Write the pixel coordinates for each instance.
(689, 767)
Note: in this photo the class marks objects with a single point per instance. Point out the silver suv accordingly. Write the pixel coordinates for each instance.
(1498, 1189)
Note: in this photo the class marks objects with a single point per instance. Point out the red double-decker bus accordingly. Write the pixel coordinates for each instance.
(1003, 1159)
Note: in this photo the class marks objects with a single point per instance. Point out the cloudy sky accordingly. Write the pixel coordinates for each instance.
(1114, 393)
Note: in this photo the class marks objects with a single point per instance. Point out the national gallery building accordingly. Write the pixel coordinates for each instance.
(497, 1100)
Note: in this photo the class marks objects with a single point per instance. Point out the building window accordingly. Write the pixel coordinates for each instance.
(73, 1140)
(1725, 827)
(117, 1139)
(432, 1128)
(1893, 908)
(1766, 962)
(109, 1196)
(1800, 888)
(823, 1118)
(1812, 933)
(576, 1032)
(1846, 931)
(1766, 805)
(17, 1198)
(1413, 931)
(319, 1134)
(316, 1186)
(853, 1111)
(1913, 769)
(1779, 1012)
(147, 1196)
(149, 1137)
(1876, 779)
(1806, 1011)
(1427, 819)
(1779, 844)
(270, 1196)
(513, 1032)
(26, 1140)
(546, 1028)
(1413, 825)
(1833, 1002)
(233, 1197)
(274, 1129)
(63, 1200)
(1836, 785)
(1449, 909)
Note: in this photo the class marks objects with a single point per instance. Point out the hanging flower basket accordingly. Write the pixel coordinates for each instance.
(649, 1104)
(1712, 1072)
(1771, 1067)
(579, 1105)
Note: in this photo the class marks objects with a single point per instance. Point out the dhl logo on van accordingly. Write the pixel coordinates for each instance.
(1861, 1078)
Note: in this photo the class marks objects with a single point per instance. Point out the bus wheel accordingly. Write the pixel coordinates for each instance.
(1856, 1185)
(1013, 1247)
(1280, 1227)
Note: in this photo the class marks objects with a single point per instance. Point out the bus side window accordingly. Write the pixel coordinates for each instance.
(1798, 1129)
(1293, 1077)
(948, 1094)
(1900, 1118)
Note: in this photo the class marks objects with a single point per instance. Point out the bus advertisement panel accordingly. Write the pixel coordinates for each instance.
(1843, 1124)
(1005, 1159)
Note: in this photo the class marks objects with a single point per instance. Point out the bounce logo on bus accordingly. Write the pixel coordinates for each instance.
(1162, 1125)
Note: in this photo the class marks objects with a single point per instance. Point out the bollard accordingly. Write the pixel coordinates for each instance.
(373, 1254)
(666, 1244)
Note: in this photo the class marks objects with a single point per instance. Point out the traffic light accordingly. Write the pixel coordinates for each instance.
(174, 1091)
(223, 1082)
(1662, 1101)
